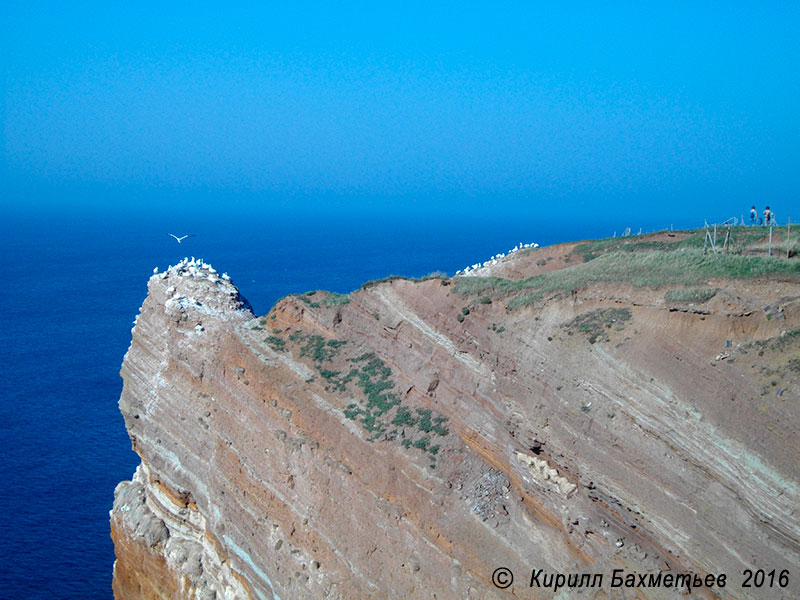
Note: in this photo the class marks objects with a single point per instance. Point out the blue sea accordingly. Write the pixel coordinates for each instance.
(72, 285)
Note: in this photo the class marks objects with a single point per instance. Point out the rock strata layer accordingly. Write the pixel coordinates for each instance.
(407, 440)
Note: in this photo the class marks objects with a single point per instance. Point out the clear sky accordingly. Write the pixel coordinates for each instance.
(572, 107)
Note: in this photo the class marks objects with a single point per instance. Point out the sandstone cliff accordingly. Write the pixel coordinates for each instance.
(408, 439)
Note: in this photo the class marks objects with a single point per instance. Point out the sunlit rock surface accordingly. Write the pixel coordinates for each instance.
(407, 440)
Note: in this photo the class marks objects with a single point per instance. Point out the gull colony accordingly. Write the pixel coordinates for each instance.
(471, 270)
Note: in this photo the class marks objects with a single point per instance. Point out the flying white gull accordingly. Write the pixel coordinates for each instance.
(183, 237)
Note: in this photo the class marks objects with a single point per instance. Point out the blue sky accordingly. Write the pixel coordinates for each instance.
(576, 108)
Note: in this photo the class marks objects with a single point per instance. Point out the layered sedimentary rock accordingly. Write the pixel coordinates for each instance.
(409, 439)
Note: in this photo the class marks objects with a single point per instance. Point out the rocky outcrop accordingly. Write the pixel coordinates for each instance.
(409, 439)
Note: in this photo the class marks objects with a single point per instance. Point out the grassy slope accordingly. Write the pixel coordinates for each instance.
(645, 261)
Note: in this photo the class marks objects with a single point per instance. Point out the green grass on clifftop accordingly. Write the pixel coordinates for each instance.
(741, 238)
(652, 269)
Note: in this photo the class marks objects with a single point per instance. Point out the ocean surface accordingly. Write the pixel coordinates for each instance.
(72, 285)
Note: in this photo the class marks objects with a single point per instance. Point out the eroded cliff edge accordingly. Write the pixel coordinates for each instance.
(408, 439)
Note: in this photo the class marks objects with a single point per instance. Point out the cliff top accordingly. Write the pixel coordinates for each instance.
(683, 261)
(622, 403)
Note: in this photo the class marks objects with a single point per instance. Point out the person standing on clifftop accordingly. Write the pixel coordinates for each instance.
(769, 216)
(753, 215)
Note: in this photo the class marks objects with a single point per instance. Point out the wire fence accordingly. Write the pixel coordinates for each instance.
(722, 237)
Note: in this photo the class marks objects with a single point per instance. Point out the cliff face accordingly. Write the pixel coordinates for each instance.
(408, 440)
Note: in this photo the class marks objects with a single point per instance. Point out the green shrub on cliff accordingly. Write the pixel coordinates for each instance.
(319, 349)
(403, 418)
(378, 409)
(334, 299)
(422, 443)
(595, 323)
(276, 343)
